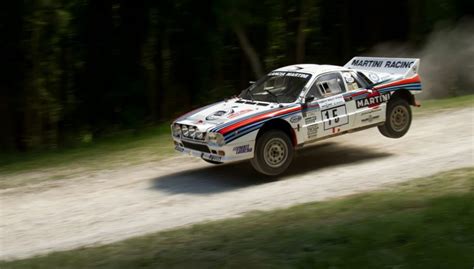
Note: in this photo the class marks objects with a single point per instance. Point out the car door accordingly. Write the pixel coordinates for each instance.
(327, 113)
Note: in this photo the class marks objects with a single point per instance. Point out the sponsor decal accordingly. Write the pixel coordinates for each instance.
(289, 74)
(242, 149)
(310, 120)
(336, 130)
(295, 119)
(219, 114)
(377, 109)
(373, 100)
(398, 64)
(374, 77)
(331, 102)
(348, 77)
(210, 157)
(380, 63)
(367, 63)
(236, 114)
(370, 118)
(313, 131)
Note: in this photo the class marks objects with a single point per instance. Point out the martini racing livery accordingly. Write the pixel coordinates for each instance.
(296, 105)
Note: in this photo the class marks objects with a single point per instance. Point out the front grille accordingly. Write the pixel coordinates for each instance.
(198, 147)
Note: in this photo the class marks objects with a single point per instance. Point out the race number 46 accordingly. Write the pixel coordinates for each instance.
(335, 116)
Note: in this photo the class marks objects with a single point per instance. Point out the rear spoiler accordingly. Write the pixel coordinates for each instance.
(407, 67)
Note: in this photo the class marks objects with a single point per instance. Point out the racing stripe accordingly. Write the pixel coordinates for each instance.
(250, 128)
(414, 79)
(411, 86)
(221, 126)
(256, 118)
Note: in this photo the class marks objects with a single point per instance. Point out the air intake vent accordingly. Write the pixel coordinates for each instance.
(198, 147)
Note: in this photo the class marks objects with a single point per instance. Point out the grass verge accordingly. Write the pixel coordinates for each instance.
(429, 106)
(152, 144)
(424, 223)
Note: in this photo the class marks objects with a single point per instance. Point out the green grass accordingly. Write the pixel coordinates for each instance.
(424, 223)
(149, 145)
(446, 103)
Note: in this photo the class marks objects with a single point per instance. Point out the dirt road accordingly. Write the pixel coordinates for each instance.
(126, 202)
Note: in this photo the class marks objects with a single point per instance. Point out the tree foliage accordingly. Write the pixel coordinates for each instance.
(77, 69)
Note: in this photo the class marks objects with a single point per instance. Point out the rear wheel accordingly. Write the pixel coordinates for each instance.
(273, 153)
(398, 119)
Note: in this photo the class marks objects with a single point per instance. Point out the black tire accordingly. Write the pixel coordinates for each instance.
(398, 119)
(273, 153)
(209, 161)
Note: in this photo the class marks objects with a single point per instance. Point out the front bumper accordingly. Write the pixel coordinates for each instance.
(225, 154)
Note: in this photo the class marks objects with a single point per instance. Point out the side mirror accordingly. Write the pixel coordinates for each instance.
(309, 99)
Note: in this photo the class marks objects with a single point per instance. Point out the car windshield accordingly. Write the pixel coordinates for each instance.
(279, 87)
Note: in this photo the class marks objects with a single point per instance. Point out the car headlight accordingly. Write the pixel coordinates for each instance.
(176, 129)
(216, 138)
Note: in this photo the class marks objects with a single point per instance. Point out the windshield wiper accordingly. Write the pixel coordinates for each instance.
(274, 95)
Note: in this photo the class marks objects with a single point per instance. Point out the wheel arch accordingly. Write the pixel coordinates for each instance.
(405, 95)
(279, 124)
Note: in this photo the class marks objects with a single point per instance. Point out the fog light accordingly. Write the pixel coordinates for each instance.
(221, 153)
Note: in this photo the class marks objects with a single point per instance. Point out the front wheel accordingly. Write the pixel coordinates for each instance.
(273, 153)
(398, 119)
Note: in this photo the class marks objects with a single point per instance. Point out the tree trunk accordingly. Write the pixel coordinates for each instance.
(249, 50)
(301, 35)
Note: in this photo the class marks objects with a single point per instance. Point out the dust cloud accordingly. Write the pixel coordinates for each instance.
(447, 59)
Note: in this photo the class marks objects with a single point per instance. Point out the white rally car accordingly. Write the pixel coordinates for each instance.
(296, 105)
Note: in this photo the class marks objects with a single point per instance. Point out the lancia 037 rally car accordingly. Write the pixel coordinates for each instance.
(295, 105)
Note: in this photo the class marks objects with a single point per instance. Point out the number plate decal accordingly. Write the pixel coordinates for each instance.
(335, 116)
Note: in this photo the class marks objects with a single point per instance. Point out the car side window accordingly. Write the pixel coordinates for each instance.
(327, 85)
(354, 81)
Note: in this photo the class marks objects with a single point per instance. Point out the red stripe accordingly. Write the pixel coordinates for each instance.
(414, 79)
(258, 118)
(359, 93)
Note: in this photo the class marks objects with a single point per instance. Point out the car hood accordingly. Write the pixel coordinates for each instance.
(220, 113)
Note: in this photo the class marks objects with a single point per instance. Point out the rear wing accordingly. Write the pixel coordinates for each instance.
(407, 67)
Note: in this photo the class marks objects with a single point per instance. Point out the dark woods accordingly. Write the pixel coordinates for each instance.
(77, 69)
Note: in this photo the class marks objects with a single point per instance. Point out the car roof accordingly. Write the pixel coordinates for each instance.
(314, 69)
